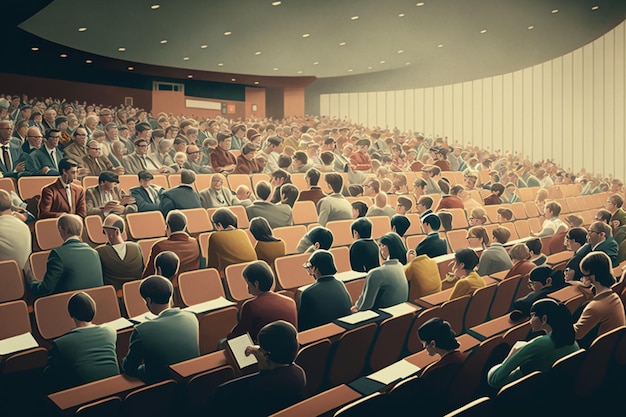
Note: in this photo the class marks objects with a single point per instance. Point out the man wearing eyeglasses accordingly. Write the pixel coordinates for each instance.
(33, 140)
(45, 160)
(601, 240)
(98, 163)
(11, 161)
(141, 161)
(76, 150)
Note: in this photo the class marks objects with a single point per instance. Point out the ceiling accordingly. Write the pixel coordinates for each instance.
(220, 39)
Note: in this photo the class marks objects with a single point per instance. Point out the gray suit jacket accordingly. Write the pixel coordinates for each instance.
(180, 197)
(41, 158)
(278, 215)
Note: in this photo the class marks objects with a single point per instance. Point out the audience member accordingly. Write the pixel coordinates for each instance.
(62, 196)
(552, 225)
(181, 197)
(317, 238)
(228, 245)
(167, 264)
(536, 256)
(147, 195)
(359, 209)
(314, 193)
(432, 245)
(542, 281)
(222, 160)
(380, 207)
(520, 256)
(495, 258)
(422, 273)
(15, 237)
(46, 159)
(334, 206)
(465, 262)
(105, 198)
(268, 247)
(423, 207)
(364, 254)
(576, 241)
(600, 240)
(278, 215)
(400, 224)
(219, 196)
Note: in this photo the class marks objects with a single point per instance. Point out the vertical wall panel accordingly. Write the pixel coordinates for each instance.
(577, 110)
(399, 110)
(497, 115)
(537, 117)
(620, 106)
(457, 113)
(429, 112)
(597, 90)
(546, 105)
(448, 113)
(608, 116)
(363, 112)
(371, 110)
(391, 110)
(353, 103)
(518, 112)
(334, 105)
(588, 104)
(568, 112)
(557, 112)
(325, 104)
(477, 117)
(527, 112)
(409, 114)
(508, 125)
(419, 110)
(438, 129)
(468, 114)
(487, 94)
(381, 109)
(344, 105)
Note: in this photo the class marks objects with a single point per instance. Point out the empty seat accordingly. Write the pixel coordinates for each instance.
(290, 273)
(149, 224)
(313, 359)
(15, 321)
(291, 235)
(47, 234)
(152, 400)
(29, 187)
(304, 212)
(348, 360)
(12, 281)
(199, 286)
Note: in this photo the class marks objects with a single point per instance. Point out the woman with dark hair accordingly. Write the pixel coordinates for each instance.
(386, 285)
(576, 241)
(228, 245)
(446, 220)
(539, 354)
(465, 261)
(268, 247)
(289, 194)
(279, 178)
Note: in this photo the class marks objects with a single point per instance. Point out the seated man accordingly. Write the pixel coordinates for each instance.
(494, 198)
(600, 239)
(84, 354)
(404, 205)
(222, 160)
(147, 195)
(55, 198)
(317, 238)
(534, 247)
(181, 197)
(219, 196)
(400, 224)
(71, 266)
(424, 207)
(105, 198)
(334, 206)
(179, 242)
(266, 306)
(433, 245)
(172, 337)
(278, 215)
(364, 254)
(279, 382)
(140, 160)
(15, 237)
(380, 207)
(96, 162)
(121, 261)
(327, 299)
(552, 225)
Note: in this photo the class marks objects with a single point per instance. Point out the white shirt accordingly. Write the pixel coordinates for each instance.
(120, 248)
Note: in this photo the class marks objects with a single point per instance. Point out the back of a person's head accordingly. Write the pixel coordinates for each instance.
(360, 207)
(259, 271)
(519, 252)
(363, 226)
(313, 175)
(81, 307)
(400, 224)
(71, 224)
(456, 189)
(279, 340)
(558, 317)
(440, 331)
(396, 247)
(426, 202)
(405, 202)
(598, 264)
(380, 200)
(480, 233)
(433, 221)
(446, 219)
(335, 181)
(225, 217)
(157, 288)
(176, 220)
(577, 234)
(501, 234)
(167, 262)
(534, 245)
(321, 235)
(324, 261)
(467, 257)
(554, 207)
(187, 176)
(5, 200)
(263, 190)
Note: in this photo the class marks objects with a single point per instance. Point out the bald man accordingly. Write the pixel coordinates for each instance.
(11, 160)
(380, 207)
(15, 237)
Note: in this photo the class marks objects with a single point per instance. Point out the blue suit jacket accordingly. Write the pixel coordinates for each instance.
(41, 158)
(432, 246)
(180, 197)
(16, 157)
(143, 199)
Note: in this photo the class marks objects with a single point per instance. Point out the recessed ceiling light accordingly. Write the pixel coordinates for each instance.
(221, 64)
(595, 7)
(34, 49)
(63, 55)
(407, 63)
(131, 68)
(185, 58)
(190, 76)
(228, 33)
(276, 3)
(82, 29)
(88, 61)
(233, 79)
(555, 11)
(122, 49)
(531, 27)
(400, 51)
(204, 46)
(306, 35)
(401, 15)
(155, 6)
(370, 68)
(163, 41)
(256, 83)
(420, 4)
(257, 53)
(275, 69)
(316, 63)
(299, 72)
(440, 45)
(350, 70)
(354, 18)
(483, 31)
(383, 61)
(342, 44)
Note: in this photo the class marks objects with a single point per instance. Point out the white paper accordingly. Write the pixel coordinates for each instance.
(350, 275)
(17, 343)
(398, 370)
(359, 317)
(400, 309)
(238, 347)
(144, 317)
(119, 324)
(211, 305)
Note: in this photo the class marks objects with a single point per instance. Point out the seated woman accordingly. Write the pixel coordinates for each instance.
(386, 285)
(520, 256)
(540, 353)
(222, 160)
(268, 247)
(605, 311)
(465, 261)
(228, 245)
(478, 217)
(422, 273)
(495, 258)
(542, 281)
(246, 164)
(504, 215)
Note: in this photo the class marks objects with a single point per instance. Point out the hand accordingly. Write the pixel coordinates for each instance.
(119, 170)
(410, 255)
(126, 200)
(111, 205)
(162, 170)
(259, 354)
(354, 309)
(20, 167)
(82, 172)
(45, 170)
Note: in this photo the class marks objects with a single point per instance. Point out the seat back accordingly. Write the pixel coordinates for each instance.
(413, 344)
(242, 216)
(389, 341)
(133, 301)
(235, 180)
(201, 387)
(215, 326)
(291, 235)
(12, 281)
(519, 211)
(38, 264)
(14, 318)
(457, 239)
(478, 408)
(522, 228)
(342, 235)
(197, 221)
(199, 286)
(504, 296)
(516, 333)
(47, 234)
(563, 373)
(371, 405)
(146, 246)
(512, 399)
(453, 312)
(152, 400)
(29, 187)
(7, 184)
(479, 305)
(459, 219)
(380, 226)
(348, 359)
(290, 273)
(110, 406)
(145, 225)
(313, 359)
(413, 241)
(53, 319)
(342, 258)
(304, 212)
(236, 283)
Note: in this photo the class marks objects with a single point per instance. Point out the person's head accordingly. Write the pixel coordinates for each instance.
(334, 181)
(279, 342)
(52, 137)
(456, 189)
(69, 225)
(157, 291)
(470, 180)
(478, 216)
(312, 176)
(534, 246)
(280, 177)
(176, 221)
(603, 216)
(544, 276)
(437, 336)
(274, 144)
(187, 176)
(501, 234)
(446, 220)
(321, 262)
(361, 228)
(81, 307)
(321, 237)
(249, 151)
(400, 224)
(553, 317)
(224, 141)
(519, 253)
(113, 227)
(145, 178)
(553, 209)
(477, 236)
(423, 204)
(261, 230)
(427, 171)
(259, 277)
(263, 190)
(574, 220)
(596, 269)
(403, 205)
(34, 137)
(598, 233)
(575, 238)
(431, 223)
(510, 189)
(107, 180)
(419, 188)
(504, 215)
(497, 189)
(359, 209)
(141, 146)
(217, 182)
(166, 264)
(224, 219)
(466, 259)
(392, 247)
(614, 202)
(371, 187)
